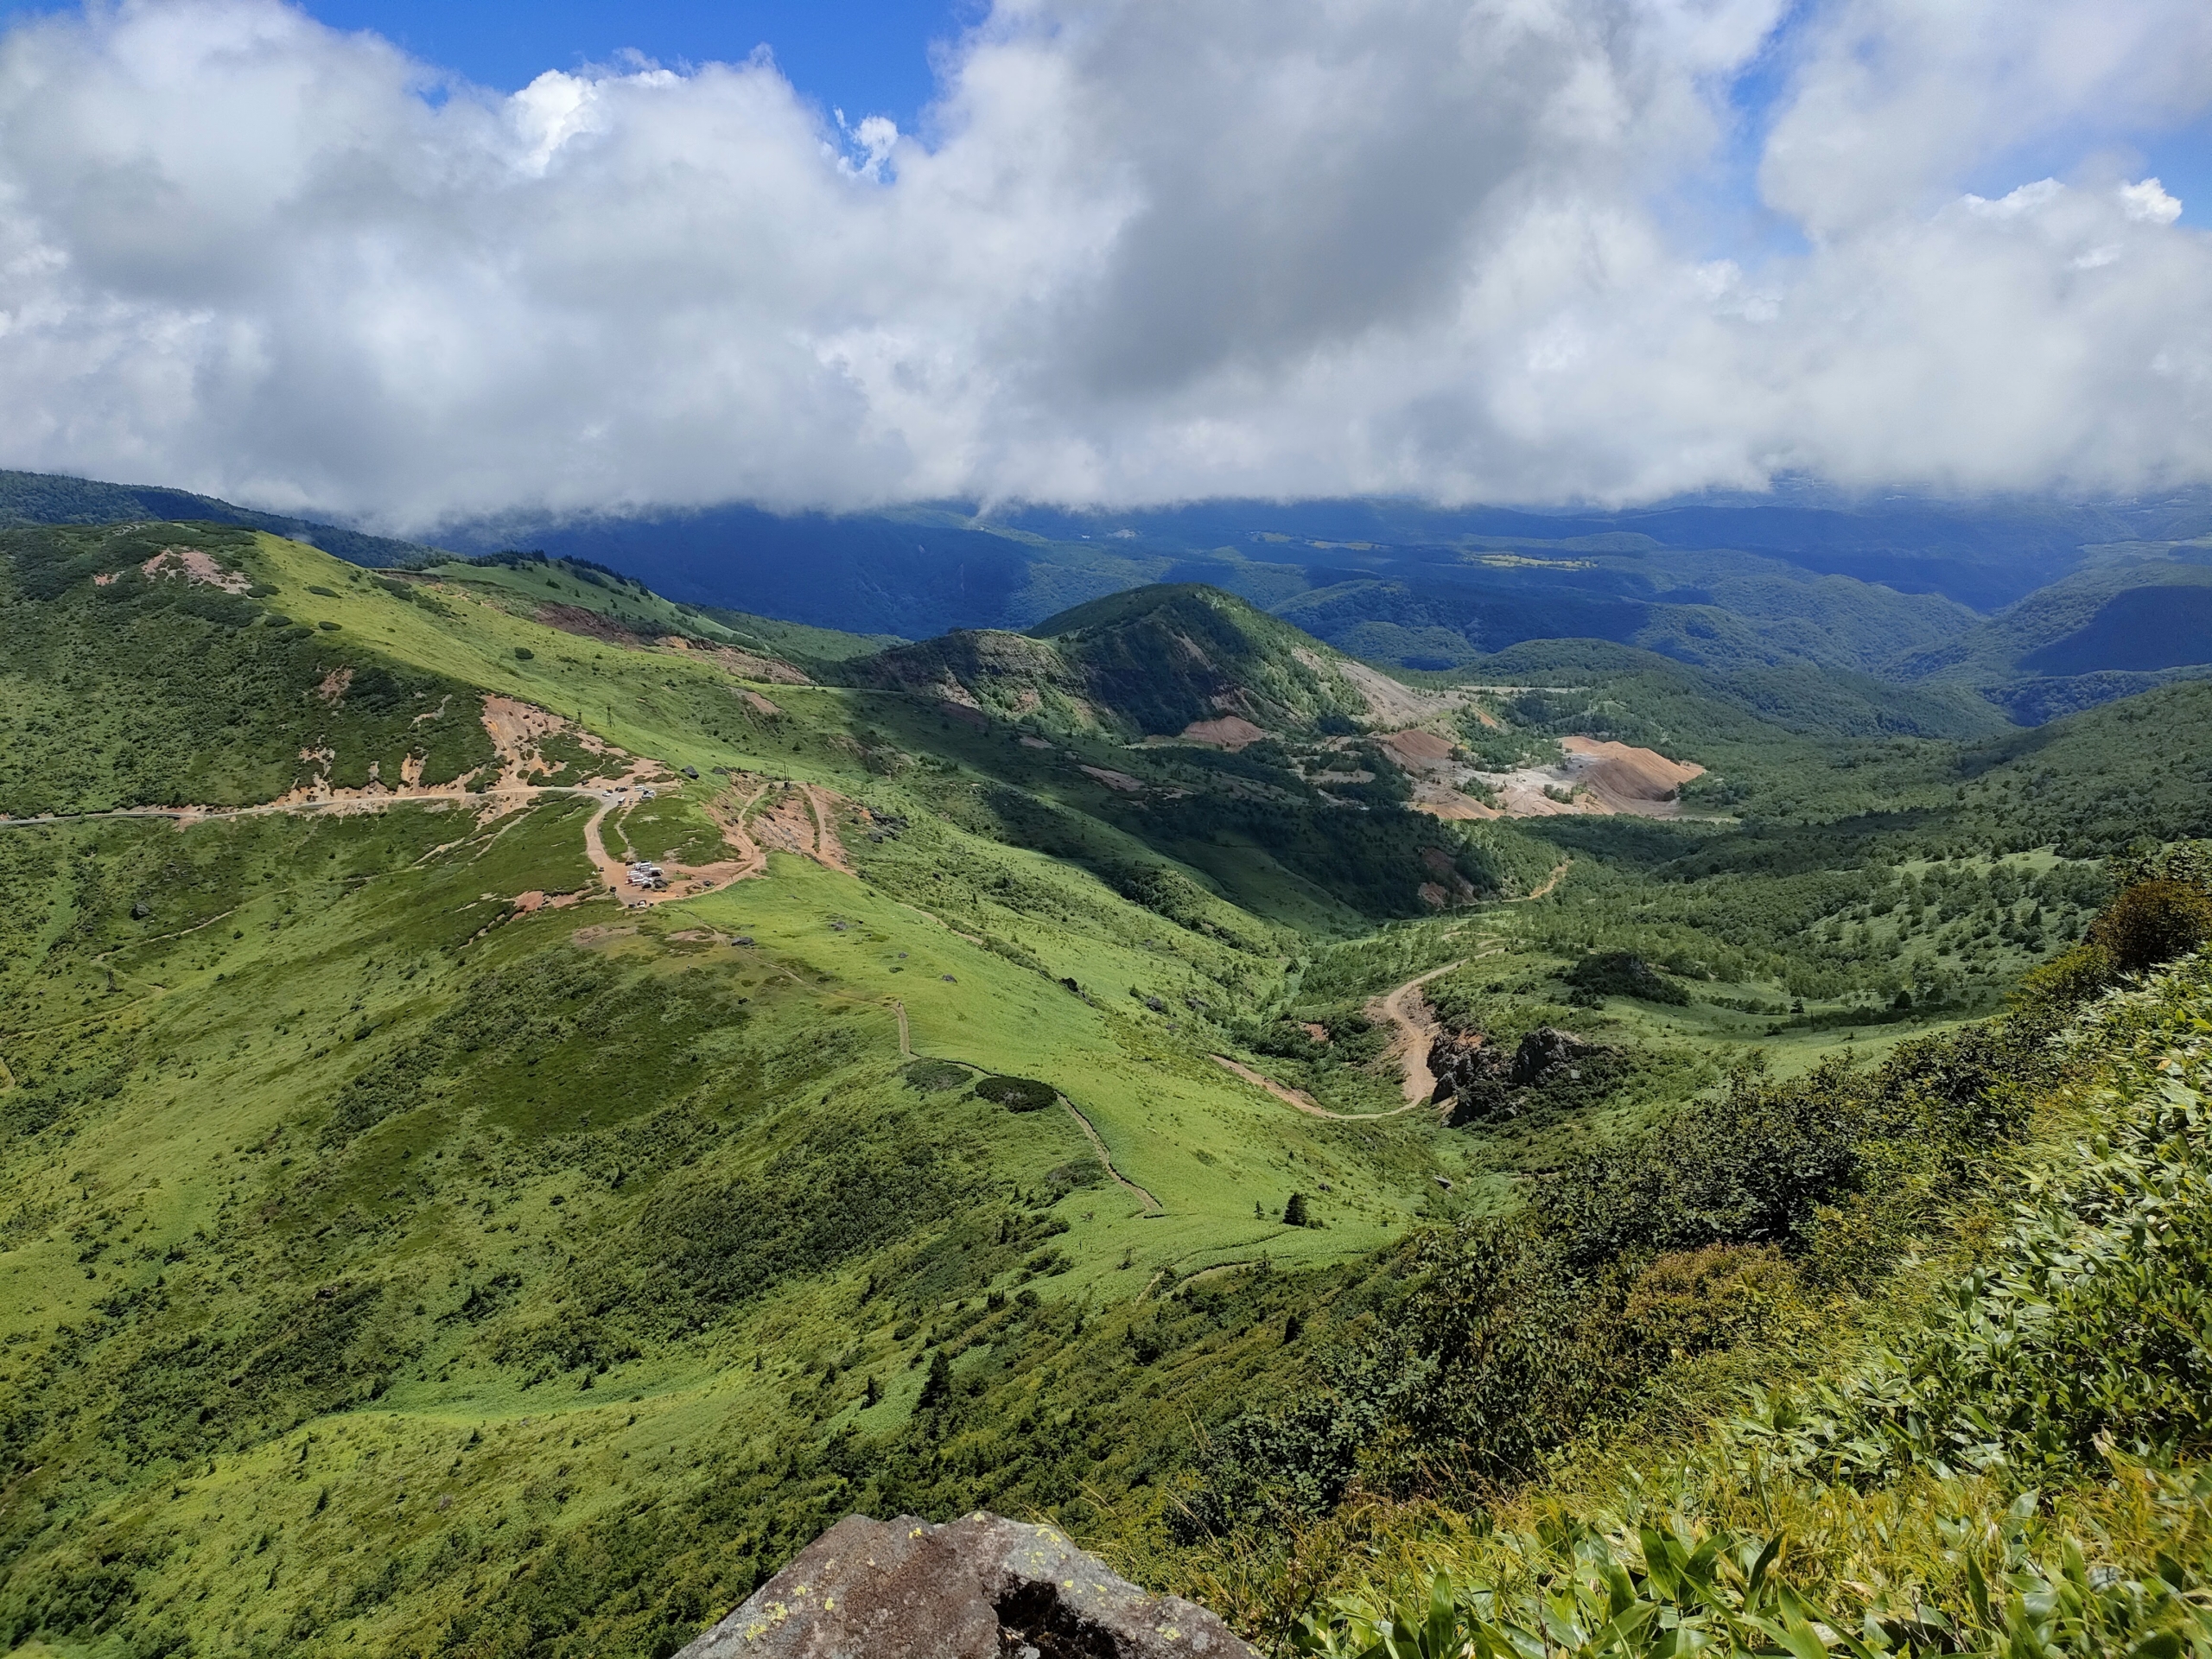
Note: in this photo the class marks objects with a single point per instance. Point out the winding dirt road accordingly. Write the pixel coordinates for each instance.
(1558, 875)
(1299, 1099)
(1405, 1010)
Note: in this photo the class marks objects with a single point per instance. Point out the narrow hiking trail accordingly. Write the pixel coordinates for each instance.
(905, 1038)
(1089, 1134)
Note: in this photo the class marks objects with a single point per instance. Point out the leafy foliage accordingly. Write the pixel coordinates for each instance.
(1017, 1094)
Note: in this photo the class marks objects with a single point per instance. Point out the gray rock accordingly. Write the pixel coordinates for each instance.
(980, 1587)
(1484, 1083)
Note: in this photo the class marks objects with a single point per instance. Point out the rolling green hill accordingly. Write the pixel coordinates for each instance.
(2136, 616)
(419, 1238)
(1149, 662)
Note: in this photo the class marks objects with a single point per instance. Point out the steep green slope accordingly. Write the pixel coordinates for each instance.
(133, 678)
(1147, 663)
(413, 1248)
(1165, 657)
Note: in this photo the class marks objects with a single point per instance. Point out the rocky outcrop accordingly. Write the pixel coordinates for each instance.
(1461, 1060)
(980, 1587)
(1484, 1083)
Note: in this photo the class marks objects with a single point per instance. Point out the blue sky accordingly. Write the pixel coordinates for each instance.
(868, 57)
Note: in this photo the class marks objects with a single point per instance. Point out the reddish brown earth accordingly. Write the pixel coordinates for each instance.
(1230, 732)
(1629, 777)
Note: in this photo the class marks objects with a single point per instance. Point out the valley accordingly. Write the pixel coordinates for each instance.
(525, 1099)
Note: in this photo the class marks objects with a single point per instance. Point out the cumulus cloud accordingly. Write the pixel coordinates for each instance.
(1151, 251)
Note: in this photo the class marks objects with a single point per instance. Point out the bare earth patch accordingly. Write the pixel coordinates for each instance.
(1419, 751)
(1230, 732)
(194, 565)
(1598, 777)
(1440, 802)
(587, 624)
(1113, 779)
(747, 666)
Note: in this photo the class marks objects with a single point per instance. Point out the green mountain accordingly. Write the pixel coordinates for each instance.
(1153, 661)
(2138, 615)
(2033, 610)
(48, 498)
(427, 1231)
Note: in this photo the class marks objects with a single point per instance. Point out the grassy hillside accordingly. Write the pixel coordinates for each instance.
(1995, 1448)
(416, 1245)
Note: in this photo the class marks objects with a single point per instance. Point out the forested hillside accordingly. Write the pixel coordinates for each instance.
(521, 1100)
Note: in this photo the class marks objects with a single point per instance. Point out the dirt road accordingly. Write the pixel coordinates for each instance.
(1414, 1031)
(1558, 875)
(1302, 1100)
(685, 882)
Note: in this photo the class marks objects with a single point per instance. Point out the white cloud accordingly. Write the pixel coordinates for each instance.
(1154, 250)
(2149, 201)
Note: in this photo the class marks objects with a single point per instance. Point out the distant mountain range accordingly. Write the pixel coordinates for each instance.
(49, 498)
(2038, 608)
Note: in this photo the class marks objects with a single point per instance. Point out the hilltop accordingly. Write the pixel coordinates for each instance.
(1179, 661)
(427, 1232)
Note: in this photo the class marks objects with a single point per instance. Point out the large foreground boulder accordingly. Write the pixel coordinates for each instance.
(980, 1587)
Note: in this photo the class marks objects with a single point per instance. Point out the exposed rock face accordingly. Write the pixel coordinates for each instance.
(980, 1587)
(1482, 1083)
(1461, 1060)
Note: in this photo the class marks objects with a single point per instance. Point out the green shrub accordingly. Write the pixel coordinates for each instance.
(2067, 979)
(932, 1076)
(1616, 973)
(2089, 1328)
(1658, 1591)
(2152, 922)
(1018, 1093)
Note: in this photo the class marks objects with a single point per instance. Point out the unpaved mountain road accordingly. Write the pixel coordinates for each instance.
(1300, 1100)
(1413, 1030)
(685, 882)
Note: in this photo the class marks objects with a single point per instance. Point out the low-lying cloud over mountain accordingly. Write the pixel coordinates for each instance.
(1148, 250)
